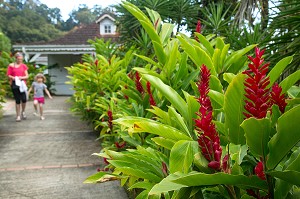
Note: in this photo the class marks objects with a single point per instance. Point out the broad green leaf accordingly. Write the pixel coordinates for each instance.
(289, 81)
(183, 69)
(129, 169)
(155, 18)
(151, 61)
(178, 121)
(202, 179)
(193, 107)
(201, 163)
(236, 56)
(159, 52)
(257, 132)
(216, 60)
(167, 91)
(102, 177)
(149, 72)
(164, 142)
(217, 97)
(233, 108)
(135, 11)
(166, 185)
(228, 77)
(182, 156)
(223, 54)
(220, 43)
(292, 177)
(162, 115)
(294, 92)
(275, 73)
(197, 55)
(215, 84)
(171, 62)
(137, 124)
(166, 32)
(287, 136)
(205, 43)
(142, 185)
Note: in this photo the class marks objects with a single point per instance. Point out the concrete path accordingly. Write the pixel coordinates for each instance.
(50, 158)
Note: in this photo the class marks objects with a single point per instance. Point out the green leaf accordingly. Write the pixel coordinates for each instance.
(257, 132)
(236, 56)
(174, 98)
(287, 136)
(102, 177)
(179, 121)
(182, 156)
(151, 61)
(129, 169)
(164, 142)
(205, 43)
(166, 185)
(166, 32)
(138, 124)
(202, 179)
(216, 60)
(215, 84)
(233, 108)
(217, 97)
(292, 177)
(223, 54)
(275, 73)
(228, 77)
(142, 185)
(197, 55)
(289, 81)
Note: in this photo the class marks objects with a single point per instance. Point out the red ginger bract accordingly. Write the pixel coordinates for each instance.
(257, 93)
(151, 98)
(278, 98)
(208, 139)
(138, 84)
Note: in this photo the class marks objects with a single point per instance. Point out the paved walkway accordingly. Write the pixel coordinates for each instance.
(50, 158)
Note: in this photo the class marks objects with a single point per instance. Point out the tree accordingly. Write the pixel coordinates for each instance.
(29, 21)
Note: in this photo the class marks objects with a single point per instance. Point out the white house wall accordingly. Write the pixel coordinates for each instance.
(107, 21)
(59, 74)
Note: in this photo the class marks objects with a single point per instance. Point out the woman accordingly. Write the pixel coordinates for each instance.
(17, 72)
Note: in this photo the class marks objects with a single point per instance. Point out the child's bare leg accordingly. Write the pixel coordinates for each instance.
(35, 105)
(41, 111)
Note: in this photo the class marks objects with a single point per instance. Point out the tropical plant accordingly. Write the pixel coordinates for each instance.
(232, 141)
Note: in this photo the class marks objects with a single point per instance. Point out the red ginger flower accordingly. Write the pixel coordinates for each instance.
(120, 145)
(256, 89)
(278, 98)
(151, 99)
(259, 170)
(198, 27)
(208, 140)
(138, 84)
(110, 119)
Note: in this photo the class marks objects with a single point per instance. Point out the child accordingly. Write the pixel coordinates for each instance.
(38, 98)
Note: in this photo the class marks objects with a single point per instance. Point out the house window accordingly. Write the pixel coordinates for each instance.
(107, 28)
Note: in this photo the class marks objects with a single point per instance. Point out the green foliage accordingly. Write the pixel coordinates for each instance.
(162, 158)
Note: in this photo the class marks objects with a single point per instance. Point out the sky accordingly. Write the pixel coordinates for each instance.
(66, 6)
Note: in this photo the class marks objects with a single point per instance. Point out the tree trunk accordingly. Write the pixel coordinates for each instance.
(264, 14)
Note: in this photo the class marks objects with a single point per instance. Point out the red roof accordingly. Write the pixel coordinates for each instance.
(80, 36)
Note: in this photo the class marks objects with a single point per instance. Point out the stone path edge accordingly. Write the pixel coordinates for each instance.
(50, 167)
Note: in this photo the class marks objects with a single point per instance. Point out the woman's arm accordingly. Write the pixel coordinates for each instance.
(26, 75)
